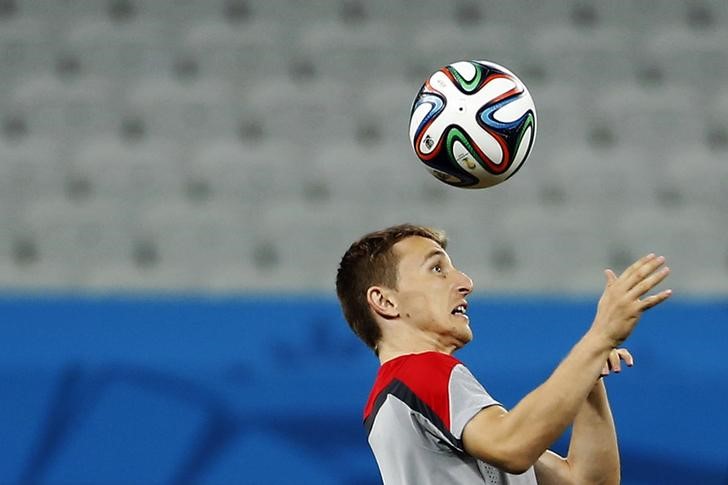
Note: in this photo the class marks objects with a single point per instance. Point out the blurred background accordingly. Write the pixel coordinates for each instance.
(179, 178)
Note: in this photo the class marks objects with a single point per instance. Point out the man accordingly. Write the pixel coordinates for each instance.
(429, 421)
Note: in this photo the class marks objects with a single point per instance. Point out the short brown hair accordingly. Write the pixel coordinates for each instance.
(370, 261)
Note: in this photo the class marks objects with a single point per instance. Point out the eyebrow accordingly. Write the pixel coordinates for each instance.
(432, 254)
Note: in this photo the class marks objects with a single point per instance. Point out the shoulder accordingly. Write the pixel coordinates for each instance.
(427, 373)
(417, 378)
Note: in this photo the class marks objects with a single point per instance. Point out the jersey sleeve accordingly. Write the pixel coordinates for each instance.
(467, 397)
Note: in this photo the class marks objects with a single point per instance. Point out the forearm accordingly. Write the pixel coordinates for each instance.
(544, 414)
(593, 452)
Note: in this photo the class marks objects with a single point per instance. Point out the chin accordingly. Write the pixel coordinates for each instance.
(463, 336)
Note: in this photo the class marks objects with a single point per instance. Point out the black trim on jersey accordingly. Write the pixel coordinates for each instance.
(400, 390)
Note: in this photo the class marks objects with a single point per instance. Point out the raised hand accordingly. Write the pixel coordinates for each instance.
(622, 302)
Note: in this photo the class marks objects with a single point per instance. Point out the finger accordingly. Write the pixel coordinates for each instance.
(649, 282)
(651, 301)
(605, 370)
(626, 356)
(637, 264)
(643, 272)
(611, 277)
(614, 362)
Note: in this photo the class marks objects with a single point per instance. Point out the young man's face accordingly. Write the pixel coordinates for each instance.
(431, 291)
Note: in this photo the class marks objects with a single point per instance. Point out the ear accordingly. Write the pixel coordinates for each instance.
(381, 302)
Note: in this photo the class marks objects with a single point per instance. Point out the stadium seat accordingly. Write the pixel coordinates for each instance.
(696, 175)
(186, 111)
(591, 58)
(121, 51)
(552, 250)
(76, 237)
(652, 117)
(72, 109)
(308, 241)
(199, 239)
(448, 42)
(690, 57)
(561, 110)
(692, 239)
(26, 49)
(383, 111)
(29, 170)
(308, 113)
(353, 54)
(380, 175)
(131, 174)
(62, 12)
(239, 173)
(242, 54)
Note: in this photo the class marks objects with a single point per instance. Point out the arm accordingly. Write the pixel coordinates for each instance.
(514, 441)
(593, 452)
(593, 456)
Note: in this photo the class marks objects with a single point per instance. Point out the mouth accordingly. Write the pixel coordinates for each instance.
(461, 311)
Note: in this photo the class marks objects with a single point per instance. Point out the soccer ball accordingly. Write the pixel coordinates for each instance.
(473, 124)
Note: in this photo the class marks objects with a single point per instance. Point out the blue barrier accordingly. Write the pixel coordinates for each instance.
(268, 390)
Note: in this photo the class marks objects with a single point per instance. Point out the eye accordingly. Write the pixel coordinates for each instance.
(437, 268)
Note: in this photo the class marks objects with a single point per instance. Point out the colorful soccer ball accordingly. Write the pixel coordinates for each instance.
(473, 124)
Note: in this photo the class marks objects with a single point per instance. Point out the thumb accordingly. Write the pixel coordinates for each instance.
(611, 277)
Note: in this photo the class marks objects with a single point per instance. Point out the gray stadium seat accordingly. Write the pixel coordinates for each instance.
(695, 59)
(308, 113)
(308, 242)
(26, 49)
(361, 54)
(257, 51)
(62, 12)
(30, 170)
(561, 109)
(696, 176)
(592, 58)
(72, 108)
(448, 42)
(652, 117)
(130, 174)
(73, 238)
(692, 239)
(549, 250)
(200, 239)
(379, 175)
(383, 110)
(186, 111)
(240, 174)
(120, 50)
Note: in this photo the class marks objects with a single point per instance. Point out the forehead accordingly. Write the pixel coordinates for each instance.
(414, 250)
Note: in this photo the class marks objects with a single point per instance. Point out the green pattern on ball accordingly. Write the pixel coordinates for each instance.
(456, 135)
(529, 123)
(469, 86)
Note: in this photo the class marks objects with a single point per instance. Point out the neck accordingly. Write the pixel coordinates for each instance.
(391, 349)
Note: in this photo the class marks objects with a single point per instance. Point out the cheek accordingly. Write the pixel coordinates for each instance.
(416, 305)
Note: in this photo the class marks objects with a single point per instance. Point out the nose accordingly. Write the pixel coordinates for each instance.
(465, 284)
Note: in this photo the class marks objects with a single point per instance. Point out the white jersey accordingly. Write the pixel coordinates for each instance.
(415, 417)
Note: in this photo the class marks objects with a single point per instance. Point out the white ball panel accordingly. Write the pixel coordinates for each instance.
(465, 69)
(514, 110)
(522, 151)
(417, 116)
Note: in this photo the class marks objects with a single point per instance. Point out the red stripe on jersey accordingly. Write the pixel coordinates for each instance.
(426, 374)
